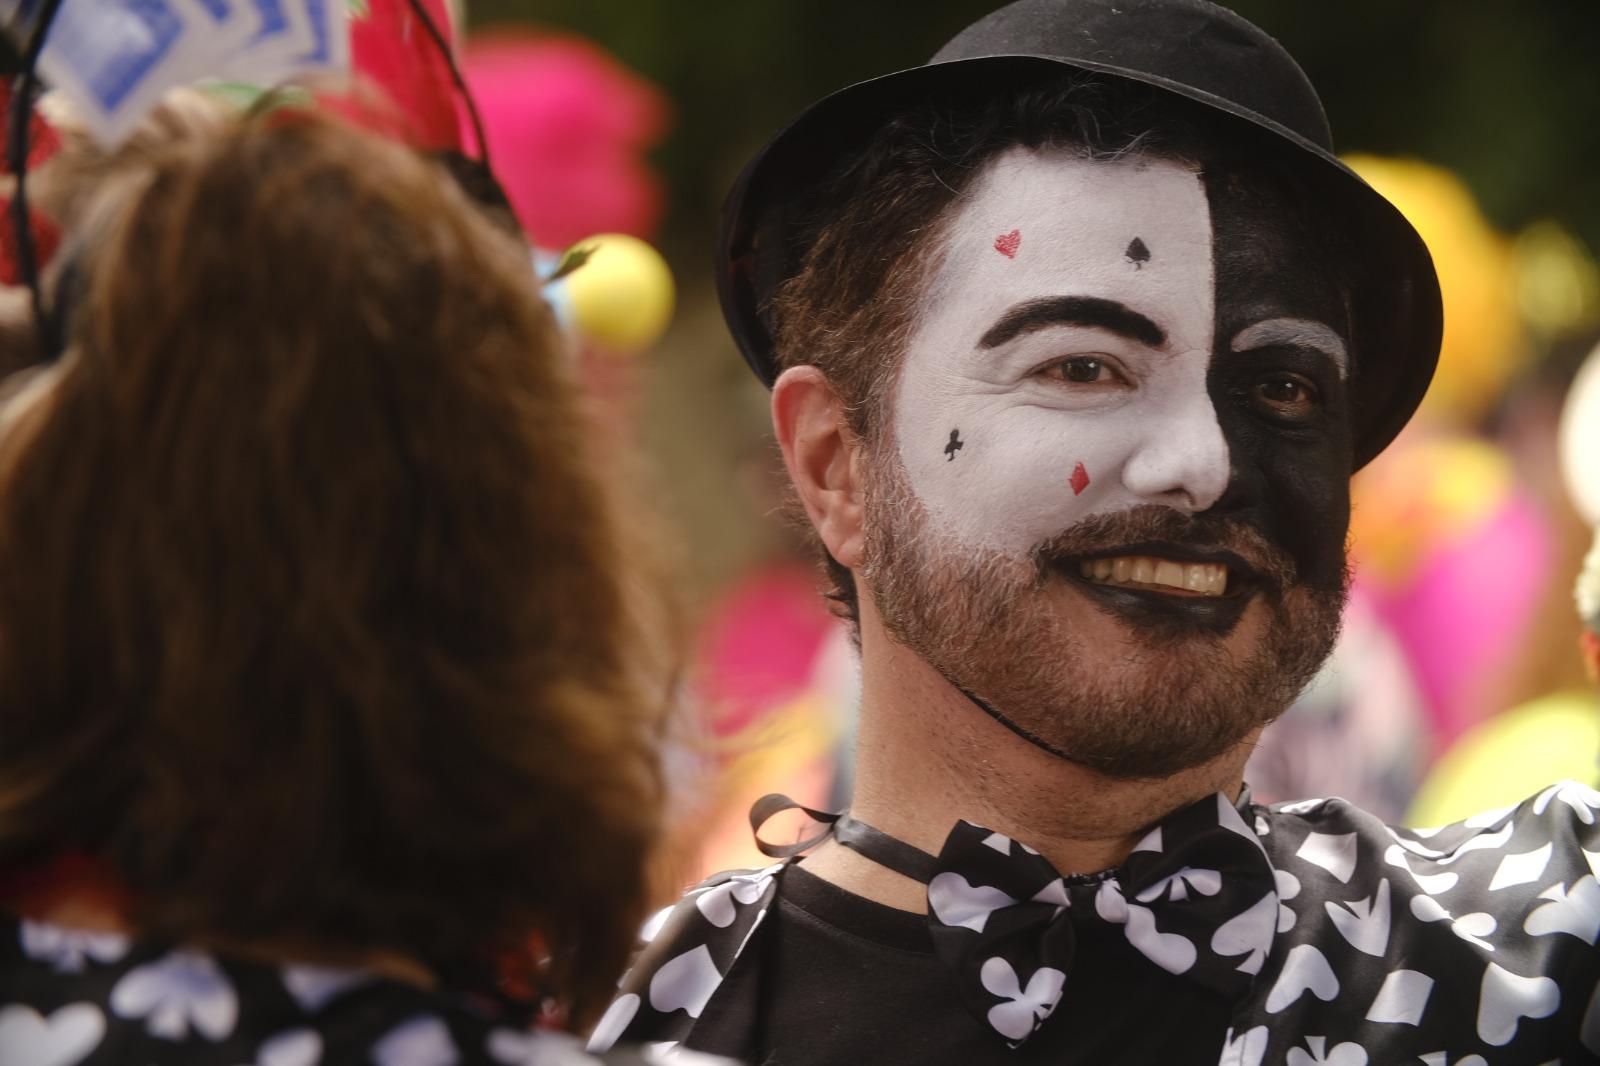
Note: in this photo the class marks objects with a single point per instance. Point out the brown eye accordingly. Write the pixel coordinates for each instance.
(1083, 370)
(1288, 396)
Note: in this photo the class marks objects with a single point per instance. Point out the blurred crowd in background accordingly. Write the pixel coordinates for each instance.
(1458, 684)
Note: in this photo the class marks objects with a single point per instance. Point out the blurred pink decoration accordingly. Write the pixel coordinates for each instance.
(568, 129)
(1457, 554)
(760, 645)
(1466, 607)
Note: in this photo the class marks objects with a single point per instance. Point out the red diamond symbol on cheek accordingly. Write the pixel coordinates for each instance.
(1079, 480)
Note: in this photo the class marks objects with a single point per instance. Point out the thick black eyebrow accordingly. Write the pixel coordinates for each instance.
(1074, 311)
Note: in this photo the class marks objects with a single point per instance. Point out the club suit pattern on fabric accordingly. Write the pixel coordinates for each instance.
(1469, 944)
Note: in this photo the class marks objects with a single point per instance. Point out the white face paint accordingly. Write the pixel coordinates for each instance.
(1001, 447)
(1295, 333)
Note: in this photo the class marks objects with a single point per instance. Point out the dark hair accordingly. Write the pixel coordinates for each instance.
(318, 624)
(878, 222)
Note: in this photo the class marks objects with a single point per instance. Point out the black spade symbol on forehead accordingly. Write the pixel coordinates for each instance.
(1138, 253)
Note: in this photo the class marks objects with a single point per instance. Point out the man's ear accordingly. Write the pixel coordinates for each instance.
(823, 459)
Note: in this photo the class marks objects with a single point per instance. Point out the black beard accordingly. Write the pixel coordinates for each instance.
(986, 623)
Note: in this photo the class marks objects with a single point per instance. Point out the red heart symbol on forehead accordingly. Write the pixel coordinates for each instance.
(1008, 243)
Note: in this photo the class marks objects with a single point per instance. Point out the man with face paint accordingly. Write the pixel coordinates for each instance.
(1076, 335)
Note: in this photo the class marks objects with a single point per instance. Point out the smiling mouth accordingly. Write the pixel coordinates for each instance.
(1156, 574)
(1167, 589)
(1163, 574)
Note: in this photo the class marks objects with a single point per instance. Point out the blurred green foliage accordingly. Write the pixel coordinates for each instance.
(1505, 93)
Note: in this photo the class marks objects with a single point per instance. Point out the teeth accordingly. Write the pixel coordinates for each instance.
(1208, 579)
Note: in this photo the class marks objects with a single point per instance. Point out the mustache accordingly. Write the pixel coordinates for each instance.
(1152, 523)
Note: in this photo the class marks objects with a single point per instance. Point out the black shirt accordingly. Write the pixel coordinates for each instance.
(847, 980)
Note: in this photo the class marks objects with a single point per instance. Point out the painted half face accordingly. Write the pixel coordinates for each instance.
(1123, 428)
(1107, 335)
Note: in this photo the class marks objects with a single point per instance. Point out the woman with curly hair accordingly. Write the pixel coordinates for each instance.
(329, 694)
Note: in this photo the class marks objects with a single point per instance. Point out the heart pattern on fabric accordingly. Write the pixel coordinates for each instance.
(958, 902)
(685, 983)
(65, 1038)
(1507, 998)
(1305, 970)
(1575, 913)
(1008, 243)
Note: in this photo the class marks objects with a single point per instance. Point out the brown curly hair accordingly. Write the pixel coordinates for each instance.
(319, 623)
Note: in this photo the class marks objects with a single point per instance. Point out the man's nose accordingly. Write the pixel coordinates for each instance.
(1182, 459)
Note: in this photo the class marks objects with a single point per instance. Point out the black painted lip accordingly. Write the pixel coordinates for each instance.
(1147, 608)
(1143, 606)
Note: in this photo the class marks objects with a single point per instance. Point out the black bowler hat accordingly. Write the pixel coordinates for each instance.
(1191, 48)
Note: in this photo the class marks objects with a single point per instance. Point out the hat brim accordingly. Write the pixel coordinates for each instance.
(1397, 315)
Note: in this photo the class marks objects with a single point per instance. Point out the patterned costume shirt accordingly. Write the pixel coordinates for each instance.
(1306, 934)
(73, 998)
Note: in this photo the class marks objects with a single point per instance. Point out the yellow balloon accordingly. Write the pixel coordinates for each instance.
(1511, 756)
(622, 297)
(1483, 342)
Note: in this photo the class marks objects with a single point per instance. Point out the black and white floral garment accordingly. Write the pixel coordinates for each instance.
(70, 998)
(1343, 941)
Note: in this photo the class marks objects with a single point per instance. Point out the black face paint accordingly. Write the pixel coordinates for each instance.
(955, 445)
(1138, 253)
(1290, 450)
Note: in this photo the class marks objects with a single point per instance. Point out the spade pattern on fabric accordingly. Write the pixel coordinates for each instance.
(1340, 940)
(71, 998)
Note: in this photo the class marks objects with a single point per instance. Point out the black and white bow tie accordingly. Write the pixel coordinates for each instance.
(1196, 897)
